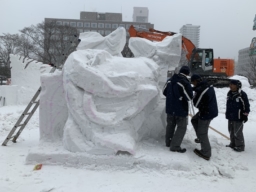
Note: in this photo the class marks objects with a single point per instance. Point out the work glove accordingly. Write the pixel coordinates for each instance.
(244, 117)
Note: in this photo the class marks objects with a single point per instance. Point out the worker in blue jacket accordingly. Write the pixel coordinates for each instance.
(178, 92)
(205, 100)
(237, 111)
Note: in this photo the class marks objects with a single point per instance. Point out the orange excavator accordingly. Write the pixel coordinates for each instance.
(200, 61)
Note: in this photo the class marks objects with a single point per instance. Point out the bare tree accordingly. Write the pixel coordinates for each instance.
(25, 47)
(47, 42)
(8, 45)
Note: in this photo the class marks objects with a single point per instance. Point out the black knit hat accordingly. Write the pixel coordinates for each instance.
(185, 70)
(236, 82)
(195, 77)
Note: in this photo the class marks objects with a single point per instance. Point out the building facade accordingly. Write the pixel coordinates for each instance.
(140, 14)
(192, 32)
(103, 23)
(247, 65)
(243, 61)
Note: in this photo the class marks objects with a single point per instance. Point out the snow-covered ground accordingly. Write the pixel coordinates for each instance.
(226, 171)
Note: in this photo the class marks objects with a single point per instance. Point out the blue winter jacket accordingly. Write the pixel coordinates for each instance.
(205, 100)
(237, 103)
(178, 92)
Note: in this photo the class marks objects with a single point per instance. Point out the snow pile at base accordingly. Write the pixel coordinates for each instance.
(25, 80)
(166, 53)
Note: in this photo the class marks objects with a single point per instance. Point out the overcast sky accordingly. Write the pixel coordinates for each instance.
(226, 25)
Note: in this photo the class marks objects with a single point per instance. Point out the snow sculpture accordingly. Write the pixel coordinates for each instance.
(108, 99)
(166, 53)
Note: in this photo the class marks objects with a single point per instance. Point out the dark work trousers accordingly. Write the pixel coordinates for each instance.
(175, 137)
(201, 128)
(235, 129)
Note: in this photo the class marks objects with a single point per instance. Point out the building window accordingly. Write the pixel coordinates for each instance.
(101, 16)
(79, 24)
(86, 24)
(122, 25)
(65, 23)
(141, 19)
(107, 32)
(73, 24)
(143, 26)
(94, 25)
(100, 25)
(101, 32)
(107, 25)
(114, 26)
(59, 22)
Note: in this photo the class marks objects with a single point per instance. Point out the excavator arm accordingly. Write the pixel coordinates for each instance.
(155, 35)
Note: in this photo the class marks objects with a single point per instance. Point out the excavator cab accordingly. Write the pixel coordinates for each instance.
(201, 61)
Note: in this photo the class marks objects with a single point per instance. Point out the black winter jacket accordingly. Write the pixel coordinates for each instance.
(237, 103)
(178, 92)
(205, 100)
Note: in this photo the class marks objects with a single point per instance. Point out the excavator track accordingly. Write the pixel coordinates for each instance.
(218, 82)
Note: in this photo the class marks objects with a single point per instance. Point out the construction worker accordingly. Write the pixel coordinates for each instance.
(178, 92)
(205, 100)
(237, 112)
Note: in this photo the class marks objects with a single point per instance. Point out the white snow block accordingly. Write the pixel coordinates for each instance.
(53, 110)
